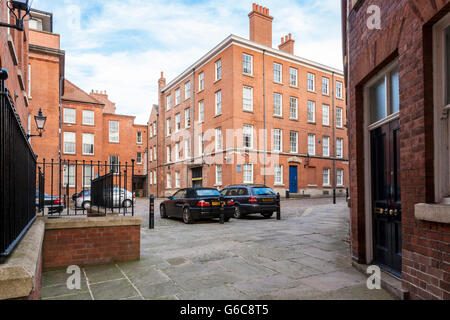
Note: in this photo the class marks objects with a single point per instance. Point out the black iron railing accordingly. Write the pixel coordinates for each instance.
(17, 177)
(78, 188)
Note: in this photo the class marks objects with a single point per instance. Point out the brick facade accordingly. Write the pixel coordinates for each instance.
(405, 36)
(232, 119)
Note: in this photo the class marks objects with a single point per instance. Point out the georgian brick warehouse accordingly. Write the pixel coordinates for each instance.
(211, 119)
(398, 95)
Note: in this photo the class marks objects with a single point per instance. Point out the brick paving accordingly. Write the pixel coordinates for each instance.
(304, 256)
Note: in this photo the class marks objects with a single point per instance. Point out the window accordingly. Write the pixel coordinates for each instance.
(150, 156)
(200, 145)
(219, 70)
(201, 111)
(151, 131)
(187, 118)
(139, 158)
(340, 177)
(218, 103)
(177, 151)
(219, 140)
(278, 175)
(247, 64)
(325, 86)
(326, 146)
(441, 57)
(311, 82)
(201, 81)
(88, 175)
(154, 153)
(177, 180)
(88, 144)
(340, 148)
(339, 92)
(70, 116)
(312, 144)
(35, 24)
(326, 177)
(293, 108)
(169, 181)
(139, 137)
(169, 154)
(177, 122)
(151, 178)
(169, 127)
(277, 105)
(155, 178)
(187, 90)
(114, 164)
(248, 173)
(169, 102)
(69, 143)
(154, 129)
(248, 136)
(339, 118)
(248, 99)
(69, 176)
(114, 131)
(219, 173)
(29, 81)
(277, 73)
(277, 140)
(177, 96)
(326, 115)
(311, 112)
(294, 141)
(187, 148)
(293, 77)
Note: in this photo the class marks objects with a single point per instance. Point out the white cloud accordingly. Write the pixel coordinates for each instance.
(176, 34)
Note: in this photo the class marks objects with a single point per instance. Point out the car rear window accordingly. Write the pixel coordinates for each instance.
(208, 193)
(263, 192)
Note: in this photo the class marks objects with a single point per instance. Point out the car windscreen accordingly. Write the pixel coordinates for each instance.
(263, 192)
(208, 193)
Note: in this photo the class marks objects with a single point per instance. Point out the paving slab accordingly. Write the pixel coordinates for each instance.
(113, 290)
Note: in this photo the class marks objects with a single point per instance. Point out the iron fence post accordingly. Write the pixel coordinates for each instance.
(278, 207)
(222, 210)
(152, 212)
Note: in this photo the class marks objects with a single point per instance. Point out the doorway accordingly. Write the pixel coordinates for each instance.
(293, 179)
(197, 177)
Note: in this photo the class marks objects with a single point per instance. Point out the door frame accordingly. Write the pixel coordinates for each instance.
(368, 156)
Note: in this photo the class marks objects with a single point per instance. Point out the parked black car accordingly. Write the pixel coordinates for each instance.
(195, 204)
(52, 203)
(75, 196)
(252, 199)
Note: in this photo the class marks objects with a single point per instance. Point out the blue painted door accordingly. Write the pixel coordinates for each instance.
(293, 179)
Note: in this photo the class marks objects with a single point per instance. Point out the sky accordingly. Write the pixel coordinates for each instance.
(122, 46)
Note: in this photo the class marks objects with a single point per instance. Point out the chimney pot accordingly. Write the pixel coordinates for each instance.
(286, 39)
(254, 6)
(290, 36)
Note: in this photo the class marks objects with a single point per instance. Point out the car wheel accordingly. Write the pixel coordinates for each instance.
(187, 216)
(162, 211)
(127, 204)
(267, 215)
(237, 213)
(86, 205)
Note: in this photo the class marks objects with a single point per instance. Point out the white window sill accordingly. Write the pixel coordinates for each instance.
(439, 213)
(279, 185)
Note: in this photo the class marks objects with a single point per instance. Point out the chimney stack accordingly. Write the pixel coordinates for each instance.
(261, 25)
(287, 44)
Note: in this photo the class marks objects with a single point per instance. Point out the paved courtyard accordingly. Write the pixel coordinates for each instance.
(304, 256)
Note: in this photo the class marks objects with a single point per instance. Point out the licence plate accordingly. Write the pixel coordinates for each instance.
(267, 200)
(216, 204)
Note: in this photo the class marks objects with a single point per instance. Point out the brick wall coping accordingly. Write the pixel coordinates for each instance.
(18, 273)
(433, 213)
(100, 222)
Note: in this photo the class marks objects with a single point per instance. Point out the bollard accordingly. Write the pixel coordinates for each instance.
(279, 207)
(222, 210)
(151, 219)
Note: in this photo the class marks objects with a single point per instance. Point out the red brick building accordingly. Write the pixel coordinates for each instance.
(397, 57)
(248, 113)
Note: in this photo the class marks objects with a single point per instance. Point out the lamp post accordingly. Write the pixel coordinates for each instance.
(40, 120)
(17, 7)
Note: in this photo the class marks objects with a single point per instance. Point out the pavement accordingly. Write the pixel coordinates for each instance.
(305, 256)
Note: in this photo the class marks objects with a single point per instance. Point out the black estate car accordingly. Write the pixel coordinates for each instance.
(195, 204)
(252, 199)
(52, 203)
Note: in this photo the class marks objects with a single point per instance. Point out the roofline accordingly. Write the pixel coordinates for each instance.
(119, 115)
(233, 39)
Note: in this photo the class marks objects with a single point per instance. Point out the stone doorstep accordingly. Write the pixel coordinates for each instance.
(390, 283)
(19, 273)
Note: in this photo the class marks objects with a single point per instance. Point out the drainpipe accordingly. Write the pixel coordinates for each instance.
(157, 149)
(264, 104)
(334, 140)
(193, 129)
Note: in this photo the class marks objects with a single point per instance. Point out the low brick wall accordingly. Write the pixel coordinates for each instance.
(91, 241)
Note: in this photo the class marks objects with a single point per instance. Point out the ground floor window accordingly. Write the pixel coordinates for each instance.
(69, 176)
(219, 173)
(248, 173)
(114, 164)
(326, 177)
(169, 181)
(340, 177)
(278, 174)
(88, 175)
(177, 180)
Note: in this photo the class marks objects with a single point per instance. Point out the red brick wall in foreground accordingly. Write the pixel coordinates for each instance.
(90, 246)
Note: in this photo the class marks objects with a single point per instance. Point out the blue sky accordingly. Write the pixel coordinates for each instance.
(122, 45)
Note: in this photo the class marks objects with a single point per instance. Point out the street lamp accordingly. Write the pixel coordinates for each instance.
(19, 6)
(40, 120)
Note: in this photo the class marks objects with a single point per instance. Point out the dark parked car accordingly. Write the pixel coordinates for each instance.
(195, 204)
(75, 196)
(52, 203)
(252, 199)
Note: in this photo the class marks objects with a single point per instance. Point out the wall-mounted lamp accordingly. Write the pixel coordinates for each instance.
(17, 7)
(40, 120)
